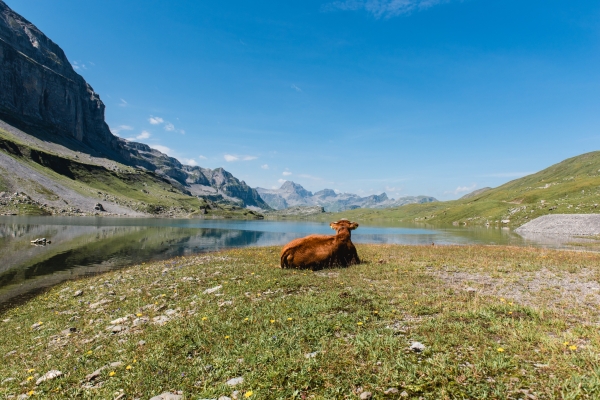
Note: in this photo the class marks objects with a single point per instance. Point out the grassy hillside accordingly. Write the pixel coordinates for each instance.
(569, 187)
(135, 189)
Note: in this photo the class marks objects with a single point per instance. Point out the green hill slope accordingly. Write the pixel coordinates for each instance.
(60, 182)
(569, 187)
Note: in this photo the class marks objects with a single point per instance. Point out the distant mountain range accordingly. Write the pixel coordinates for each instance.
(291, 194)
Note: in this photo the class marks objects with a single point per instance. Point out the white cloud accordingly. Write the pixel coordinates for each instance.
(79, 65)
(169, 127)
(189, 161)
(282, 181)
(115, 131)
(463, 189)
(265, 166)
(155, 120)
(202, 157)
(182, 131)
(232, 158)
(286, 173)
(382, 8)
(314, 178)
(163, 149)
(296, 88)
(141, 136)
(123, 103)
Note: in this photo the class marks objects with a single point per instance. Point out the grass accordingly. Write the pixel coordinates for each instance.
(569, 187)
(496, 322)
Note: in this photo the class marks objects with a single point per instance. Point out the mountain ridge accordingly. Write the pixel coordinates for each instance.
(291, 194)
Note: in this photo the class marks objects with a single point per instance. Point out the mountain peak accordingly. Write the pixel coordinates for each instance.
(292, 187)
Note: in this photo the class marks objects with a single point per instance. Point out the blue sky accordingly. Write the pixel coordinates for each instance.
(408, 97)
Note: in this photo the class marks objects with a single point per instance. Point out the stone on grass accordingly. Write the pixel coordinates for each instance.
(48, 376)
(160, 320)
(391, 391)
(141, 343)
(119, 321)
(140, 321)
(404, 394)
(366, 395)
(417, 347)
(78, 293)
(224, 398)
(167, 396)
(116, 328)
(37, 325)
(311, 355)
(235, 381)
(95, 374)
(212, 290)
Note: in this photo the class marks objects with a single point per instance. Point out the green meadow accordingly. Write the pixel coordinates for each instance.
(494, 322)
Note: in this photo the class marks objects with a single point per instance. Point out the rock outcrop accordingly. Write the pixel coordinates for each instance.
(292, 194)
(40, 89)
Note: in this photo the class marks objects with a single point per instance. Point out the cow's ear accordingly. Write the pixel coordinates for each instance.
(353, 226)
(333, 226)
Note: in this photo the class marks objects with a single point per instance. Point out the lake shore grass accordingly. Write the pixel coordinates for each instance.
(496, 322)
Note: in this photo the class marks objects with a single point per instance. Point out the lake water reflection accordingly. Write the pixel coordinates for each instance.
(83, 246)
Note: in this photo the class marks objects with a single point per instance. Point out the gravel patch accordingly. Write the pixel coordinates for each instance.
(578, 292)
(564, 224)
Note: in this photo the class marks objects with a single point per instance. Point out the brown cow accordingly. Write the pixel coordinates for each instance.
(321, 251)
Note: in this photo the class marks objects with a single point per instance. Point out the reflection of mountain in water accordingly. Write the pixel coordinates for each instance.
(83, 250)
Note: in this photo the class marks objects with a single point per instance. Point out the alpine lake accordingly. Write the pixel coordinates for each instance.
(83, 246)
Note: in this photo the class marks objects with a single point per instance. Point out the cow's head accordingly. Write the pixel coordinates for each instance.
(343, 223)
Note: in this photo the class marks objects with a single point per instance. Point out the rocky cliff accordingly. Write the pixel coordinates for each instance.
(40, 89)
(43, 96)
(291, 194)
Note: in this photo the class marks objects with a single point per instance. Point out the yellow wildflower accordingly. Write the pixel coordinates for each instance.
(204, 318)
(226, 336)
(246, 319)
(359, 323)
(139, 314)
(30, 370)
(29, 378)
(572, 347)
(248, 393)
(500, 350)
(112, 373)
(289, 319)
(31, 392)
(272, 321)
(502, 300)
(89, 352)
(565, 343)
